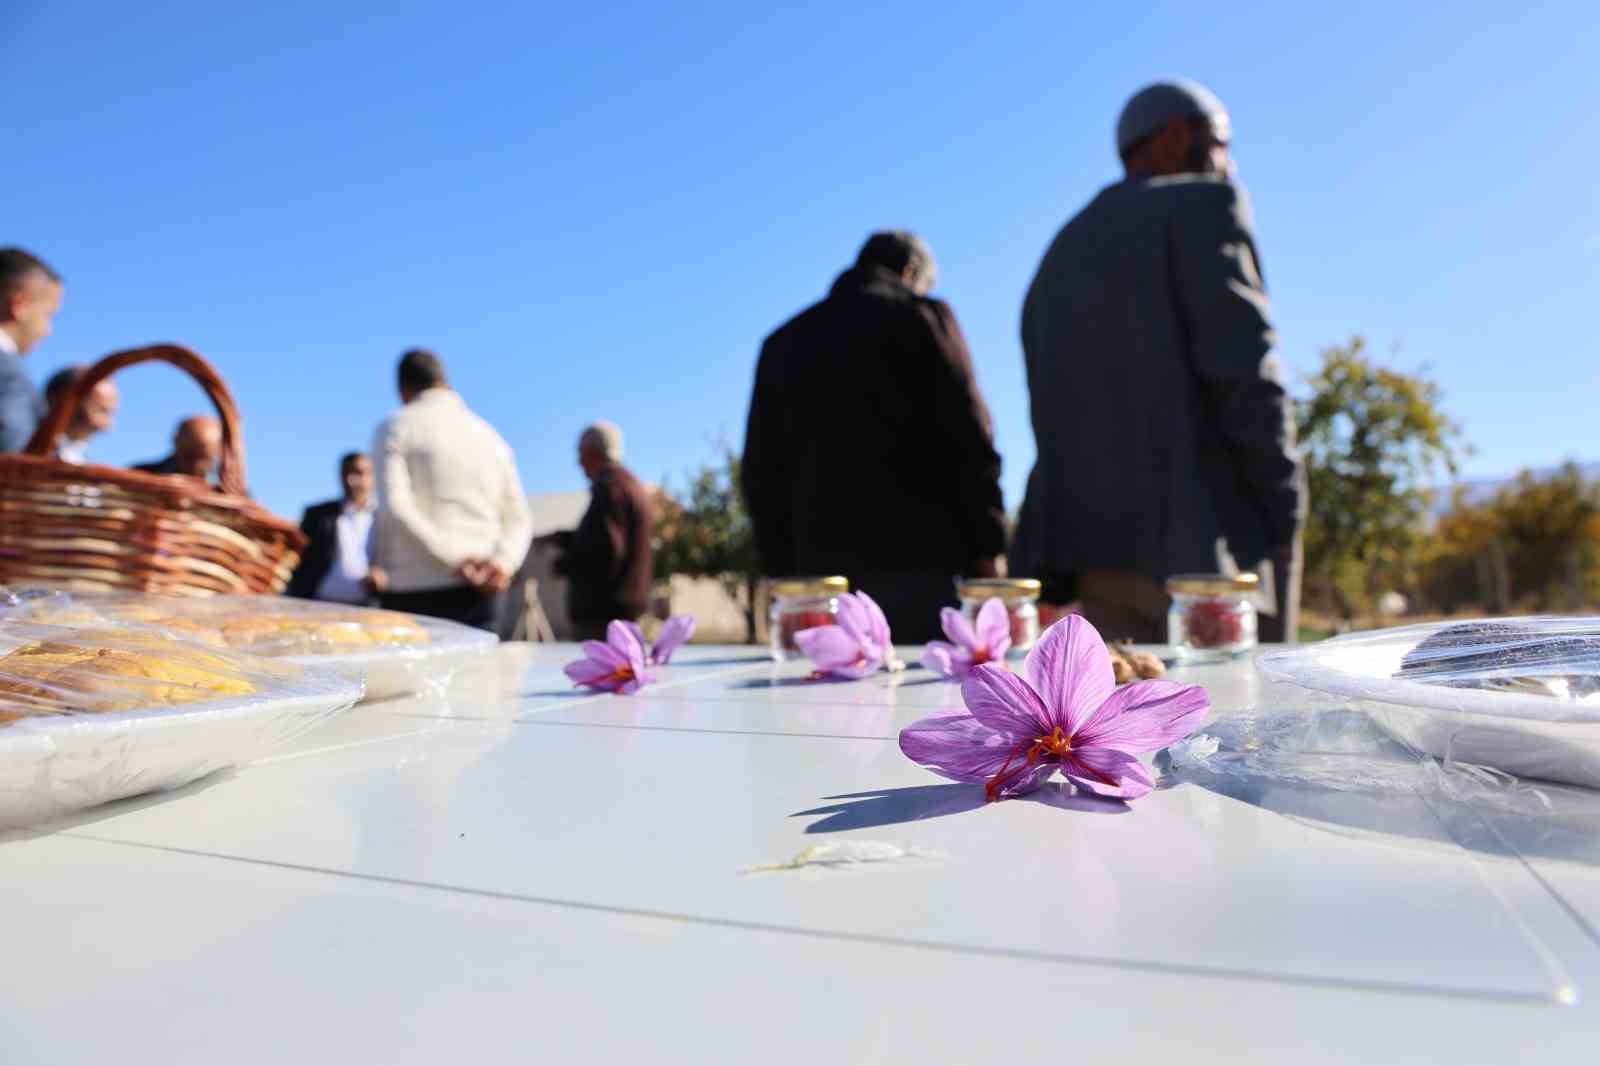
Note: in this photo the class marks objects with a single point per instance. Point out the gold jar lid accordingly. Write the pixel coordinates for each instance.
(1006, 588)
(810, 586)
(1211, 584)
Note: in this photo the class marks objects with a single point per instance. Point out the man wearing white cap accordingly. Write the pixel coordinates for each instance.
(1165, 436)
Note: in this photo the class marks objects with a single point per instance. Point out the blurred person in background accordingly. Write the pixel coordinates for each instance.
(336, 565)
(30, 296)
(1165, 436)
(453, 523)
(868, 450)
(95, 415)
(607, 560)
(196, 450)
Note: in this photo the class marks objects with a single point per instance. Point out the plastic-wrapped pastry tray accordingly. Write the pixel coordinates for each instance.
(1521, 695)
(64, 749)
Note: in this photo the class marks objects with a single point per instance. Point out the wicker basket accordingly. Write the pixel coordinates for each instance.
(99, 528)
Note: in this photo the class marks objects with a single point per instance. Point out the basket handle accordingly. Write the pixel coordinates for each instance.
(230, 472)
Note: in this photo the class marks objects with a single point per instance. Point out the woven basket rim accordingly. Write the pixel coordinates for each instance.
(175, 487)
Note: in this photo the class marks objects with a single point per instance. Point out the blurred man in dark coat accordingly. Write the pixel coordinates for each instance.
(608, 559)
(869, 451)
(1165, 437)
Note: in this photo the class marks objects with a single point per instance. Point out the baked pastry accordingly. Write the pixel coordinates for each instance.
(322, 631)
(112, 670)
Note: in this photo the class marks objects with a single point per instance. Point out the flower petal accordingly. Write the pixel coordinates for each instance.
(1001, 700)
(1107, 772)
(956, 745)
(626, 638)
(828, 647)
(877, 625)
(957, 628)
(622, 638)
(1029, 781)
(675, 633)
(853, 618)
(938, 657)
(633, 627)
(635, 683)
(588, 672)
(994, 624)
(1145, 716)
(603, 653)
(1071, 670)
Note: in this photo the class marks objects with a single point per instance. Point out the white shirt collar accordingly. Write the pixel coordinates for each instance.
(7, 344)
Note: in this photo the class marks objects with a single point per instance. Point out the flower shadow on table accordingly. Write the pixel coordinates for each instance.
(897, 806)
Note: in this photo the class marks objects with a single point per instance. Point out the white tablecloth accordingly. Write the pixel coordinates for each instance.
(520, 873)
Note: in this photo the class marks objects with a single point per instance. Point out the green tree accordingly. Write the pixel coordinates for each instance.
(1374, 439)
(706, 532)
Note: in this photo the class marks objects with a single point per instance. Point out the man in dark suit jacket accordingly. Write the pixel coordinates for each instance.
(1162, 423)
(868, 451)
(337, 565)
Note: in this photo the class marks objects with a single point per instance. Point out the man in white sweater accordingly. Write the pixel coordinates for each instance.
(453, 523)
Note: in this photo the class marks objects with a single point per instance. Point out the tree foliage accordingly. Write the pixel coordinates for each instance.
(1374, 439)
(1535, 544)
(705, 532)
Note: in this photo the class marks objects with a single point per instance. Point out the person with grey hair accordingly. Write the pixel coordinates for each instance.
(868, 450)
(608, 559)
(1165, 436)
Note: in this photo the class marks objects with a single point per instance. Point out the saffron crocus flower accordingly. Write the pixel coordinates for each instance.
(615, 665)
(675, 633)
(855, 646)
(970, 645)
(1065, 713)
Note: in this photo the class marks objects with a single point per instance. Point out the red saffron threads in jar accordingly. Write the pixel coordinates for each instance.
(792, 622)
(1213, 624)
(1020, 628)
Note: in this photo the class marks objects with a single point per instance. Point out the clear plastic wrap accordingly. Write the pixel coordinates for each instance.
(1519, 695)
(98, 712)
(395, 654)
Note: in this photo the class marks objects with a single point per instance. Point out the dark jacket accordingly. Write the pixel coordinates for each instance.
(1158, 406)
(169, 465)
(320, 524)
(21, 406)
(608, 557)
(868, 447)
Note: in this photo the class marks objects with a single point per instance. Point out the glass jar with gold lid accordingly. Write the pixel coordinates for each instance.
(1213, 616)
(1020, 596)
(800, 603)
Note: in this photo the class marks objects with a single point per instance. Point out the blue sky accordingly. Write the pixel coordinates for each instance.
(598, 211)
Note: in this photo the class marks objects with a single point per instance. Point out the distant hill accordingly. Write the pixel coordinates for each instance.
(1483, 489)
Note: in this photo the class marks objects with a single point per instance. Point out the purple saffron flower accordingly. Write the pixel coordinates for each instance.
(970, 645)
(854, 647)
(616, 665)
(675, 633)
(1065, 712)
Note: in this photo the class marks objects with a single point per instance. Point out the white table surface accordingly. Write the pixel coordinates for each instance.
(520, 874)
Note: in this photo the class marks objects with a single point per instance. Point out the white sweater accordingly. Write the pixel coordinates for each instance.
(448, 491)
